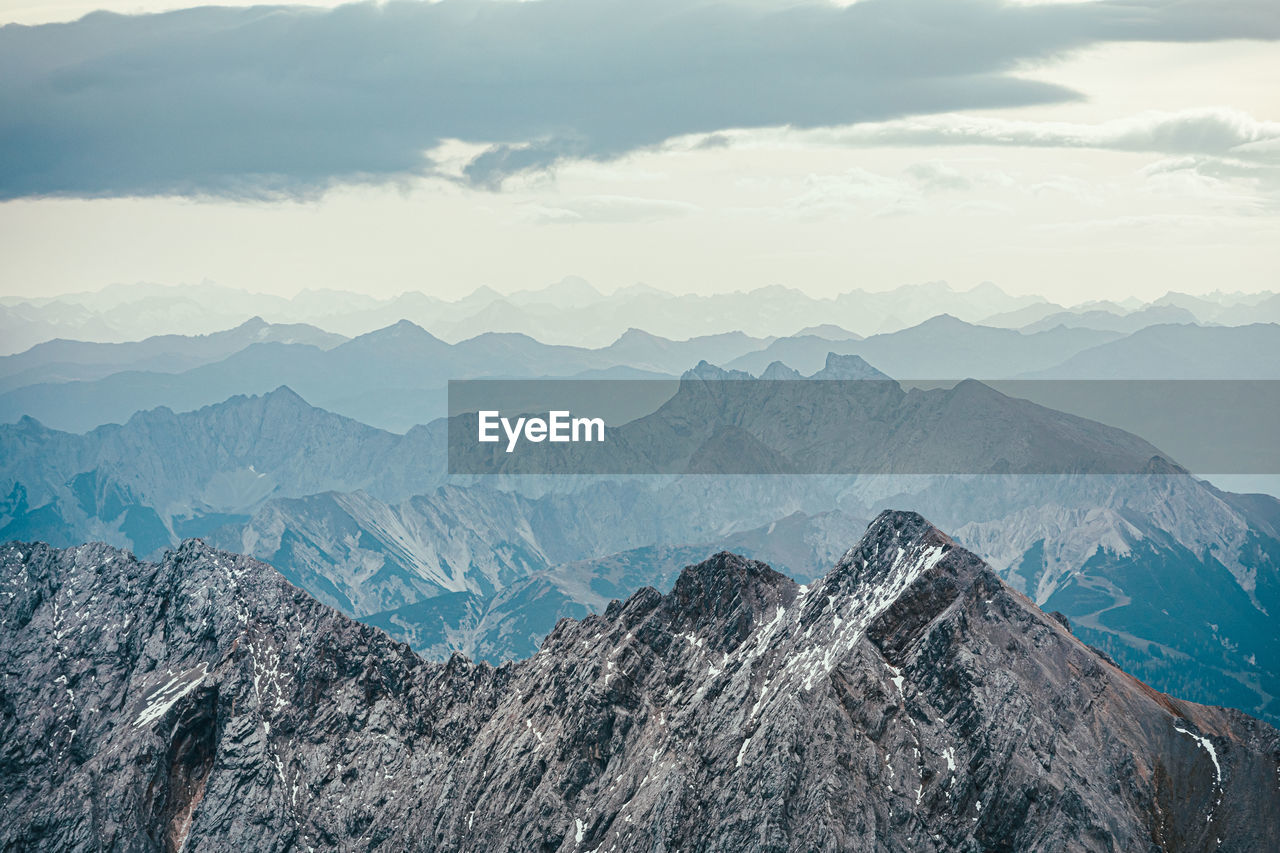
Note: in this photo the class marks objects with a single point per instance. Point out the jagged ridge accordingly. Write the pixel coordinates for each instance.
(908, 700)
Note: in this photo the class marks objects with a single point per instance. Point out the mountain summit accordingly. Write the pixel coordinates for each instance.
(907, 701)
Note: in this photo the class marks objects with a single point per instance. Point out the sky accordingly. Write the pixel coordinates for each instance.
(1075, 150)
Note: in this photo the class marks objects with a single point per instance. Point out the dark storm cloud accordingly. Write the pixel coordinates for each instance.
(278, 102)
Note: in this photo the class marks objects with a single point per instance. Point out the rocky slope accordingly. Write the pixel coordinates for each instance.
(364, 556)
(908, 700)
(1174, 578)
(511, 624)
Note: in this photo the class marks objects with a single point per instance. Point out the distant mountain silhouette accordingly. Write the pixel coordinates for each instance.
(1112, 321)
(1178, 352)
(64, 361)
(393, 378)
(942, 347)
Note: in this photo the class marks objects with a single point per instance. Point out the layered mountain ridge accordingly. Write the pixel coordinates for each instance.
(395, 377)
(908, 700)
(1174, 578)
(185, 474)
(572, 311)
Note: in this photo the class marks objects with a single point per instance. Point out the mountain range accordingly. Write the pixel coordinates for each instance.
(907, 700)
(62, 360)
(393, 378)
(1177, 352)
(571, 311)
(396, 377)
(162, 476)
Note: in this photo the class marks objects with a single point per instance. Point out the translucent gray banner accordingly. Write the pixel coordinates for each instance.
(803, 426)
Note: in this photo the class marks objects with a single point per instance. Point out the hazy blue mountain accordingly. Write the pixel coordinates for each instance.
(805, 353)
(710, 425)
(946, 347)
(79, 406)
(584, 319)
(64, 360)
(162, 476)
(569, 292)
(514, 354)
(830, 331)
(1227, 309)
(640, 349)
(942, 347)
(846, 368)
(1021, 317)
(567, 312)
(573, 312)
(778, 371)
(393, 378)
(1178, 352)
(1152, 315)
(128, 313)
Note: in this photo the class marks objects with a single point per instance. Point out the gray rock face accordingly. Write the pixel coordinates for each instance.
(908, 700)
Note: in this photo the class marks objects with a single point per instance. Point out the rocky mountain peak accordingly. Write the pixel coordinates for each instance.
(725, 596)
(1158, 465)
(286, 397)
(943, 321)
(708, 372)
(635, 335)
(777, 370)
(850, 366)
(399, 334)
(29, 425)
(908, 700)
(898, 546)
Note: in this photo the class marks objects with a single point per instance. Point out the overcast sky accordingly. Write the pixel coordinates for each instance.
(1077, 150)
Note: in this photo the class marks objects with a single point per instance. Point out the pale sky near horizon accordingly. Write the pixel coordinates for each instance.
(1163, 174)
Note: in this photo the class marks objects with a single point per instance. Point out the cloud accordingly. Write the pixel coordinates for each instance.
(269, 102)
(610, 209)
(1222, 168)
(1209, 131)
(1221, 154)
(853, 192)
(1245, 185)
(939, 176)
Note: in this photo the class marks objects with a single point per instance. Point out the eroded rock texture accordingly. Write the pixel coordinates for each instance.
(908, 700)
